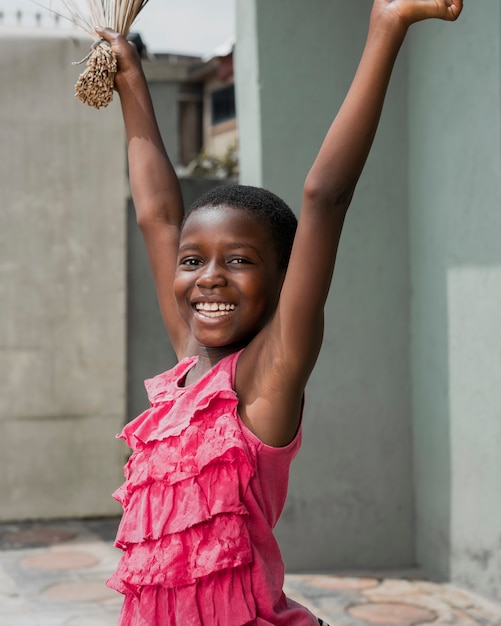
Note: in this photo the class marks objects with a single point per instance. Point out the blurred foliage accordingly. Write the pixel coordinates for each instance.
(211, 165)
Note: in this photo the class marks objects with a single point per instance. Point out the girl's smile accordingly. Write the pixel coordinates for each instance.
(227, 281)
(213, 309)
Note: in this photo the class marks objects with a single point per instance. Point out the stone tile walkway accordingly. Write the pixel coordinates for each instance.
(390, 600)
(53, 574)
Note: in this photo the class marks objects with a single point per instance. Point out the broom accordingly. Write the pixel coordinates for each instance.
(95, 85)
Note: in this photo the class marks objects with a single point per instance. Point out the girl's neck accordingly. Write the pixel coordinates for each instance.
(207, 358)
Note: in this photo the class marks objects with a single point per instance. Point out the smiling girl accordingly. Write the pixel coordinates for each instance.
(242, 294)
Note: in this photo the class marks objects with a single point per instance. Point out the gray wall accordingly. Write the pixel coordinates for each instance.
(62, 285)
(79, 323)
(351, 495)
(165, 96)
(455, 200)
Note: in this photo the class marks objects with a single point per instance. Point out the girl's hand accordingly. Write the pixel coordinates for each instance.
(406, 12)
(126, 53)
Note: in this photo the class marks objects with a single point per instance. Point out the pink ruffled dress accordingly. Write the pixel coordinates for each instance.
(201, 497)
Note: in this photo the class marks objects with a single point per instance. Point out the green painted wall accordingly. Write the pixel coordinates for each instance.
(455, 217)
(351, 497)
(401, 462)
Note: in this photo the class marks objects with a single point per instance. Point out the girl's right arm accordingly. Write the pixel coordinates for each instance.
(154, 184)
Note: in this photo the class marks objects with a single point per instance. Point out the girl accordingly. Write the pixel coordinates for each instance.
(207, 479)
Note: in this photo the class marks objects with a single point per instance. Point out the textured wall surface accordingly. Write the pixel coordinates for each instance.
(62, 285)
(455, 199)
(351, 495)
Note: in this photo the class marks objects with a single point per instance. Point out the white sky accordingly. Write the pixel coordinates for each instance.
(183, 26)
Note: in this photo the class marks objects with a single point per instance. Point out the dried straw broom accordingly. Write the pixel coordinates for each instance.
(95, 85)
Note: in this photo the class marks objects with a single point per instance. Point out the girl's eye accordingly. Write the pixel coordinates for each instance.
(190, 262)
(238, 261)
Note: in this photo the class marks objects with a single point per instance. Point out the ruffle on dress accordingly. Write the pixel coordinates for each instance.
(215, 601)
(183, 530)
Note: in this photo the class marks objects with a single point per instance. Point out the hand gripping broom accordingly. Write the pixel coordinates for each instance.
(95, 85)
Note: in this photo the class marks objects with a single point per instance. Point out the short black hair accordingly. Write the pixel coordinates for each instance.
(277, 216)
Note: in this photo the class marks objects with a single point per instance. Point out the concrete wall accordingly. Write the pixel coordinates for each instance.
(455, 199)
(351, 495)
(62, 285)
(177, 105)
(165, 96)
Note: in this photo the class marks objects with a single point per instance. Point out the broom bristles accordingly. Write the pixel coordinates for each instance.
(87, 14)
(95, 85)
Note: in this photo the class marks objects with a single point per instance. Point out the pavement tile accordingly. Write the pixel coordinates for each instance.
(427, 603)
(59, 561)
(92, 620)
(396, 614)
(37, 536)
(54, 574)
(341, 582)
(93, 617)
(19, 619)
(451, 604)
(80, 591)
(460, 618)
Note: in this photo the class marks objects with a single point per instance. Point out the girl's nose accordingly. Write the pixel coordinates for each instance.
(211, 276)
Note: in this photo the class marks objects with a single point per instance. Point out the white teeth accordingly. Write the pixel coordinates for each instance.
(214, 306)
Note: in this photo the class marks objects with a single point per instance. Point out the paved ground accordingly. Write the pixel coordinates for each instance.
(53, 575)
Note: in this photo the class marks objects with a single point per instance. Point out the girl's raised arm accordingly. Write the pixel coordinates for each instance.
(154, 184)
(286, 350)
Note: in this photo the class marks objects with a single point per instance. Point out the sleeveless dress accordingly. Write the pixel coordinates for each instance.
(201, 497)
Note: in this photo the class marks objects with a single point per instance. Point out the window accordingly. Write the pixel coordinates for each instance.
(223, 105)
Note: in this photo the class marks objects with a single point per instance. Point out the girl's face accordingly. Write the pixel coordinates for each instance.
(227, 280)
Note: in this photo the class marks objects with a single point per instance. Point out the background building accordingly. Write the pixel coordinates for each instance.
(195, 104)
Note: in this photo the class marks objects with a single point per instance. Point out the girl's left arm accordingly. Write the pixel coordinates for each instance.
(288, 347)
